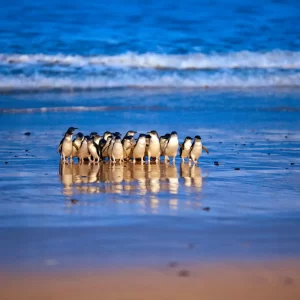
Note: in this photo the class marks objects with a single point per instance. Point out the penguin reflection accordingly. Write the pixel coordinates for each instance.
(128, 177)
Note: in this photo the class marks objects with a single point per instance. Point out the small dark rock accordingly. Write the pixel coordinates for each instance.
(268, 153)
(236, 169)
(216, 163)
(220, 142)
(207, 208)
(172, 264)
(46, 173)
(16, 156)
(26, 150)
(286, 168)
(74, 201)
(6, 162)
(184, 273)
(27, 133)
(288, 281)
(190, 246)
(292, 164)
(286, 136)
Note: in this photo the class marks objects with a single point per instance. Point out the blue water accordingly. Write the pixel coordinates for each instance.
(227, 70)
(92, 45)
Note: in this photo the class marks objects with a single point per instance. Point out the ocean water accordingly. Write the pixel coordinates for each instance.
(226, 70)
(69, 45)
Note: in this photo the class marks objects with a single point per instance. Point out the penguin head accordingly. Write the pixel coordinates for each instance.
(92, 134)
(173, 133)
(153, 133)
(106, 134)
(128, 138)
(97, 137)
(116, 134)
(118, 139)
(188, 138)
(142, 138)
(130, 133)
(197, 138)
(166, 136)
(71, 130)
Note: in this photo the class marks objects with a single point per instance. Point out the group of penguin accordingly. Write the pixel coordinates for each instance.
(95, 147)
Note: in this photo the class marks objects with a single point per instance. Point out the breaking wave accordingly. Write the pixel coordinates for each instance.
(243, 59)
(39, 72)
(40, 83)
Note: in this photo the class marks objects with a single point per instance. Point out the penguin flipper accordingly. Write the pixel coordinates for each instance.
(75, 146)
(205, 149)
(60, 146)
(181, 146)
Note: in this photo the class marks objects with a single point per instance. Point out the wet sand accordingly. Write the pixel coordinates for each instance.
(265, 280)
(226, 228)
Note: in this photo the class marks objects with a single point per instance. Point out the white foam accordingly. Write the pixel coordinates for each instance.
(216, 80)
(243, 59)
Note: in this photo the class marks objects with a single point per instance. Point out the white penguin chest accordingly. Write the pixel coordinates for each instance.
(117, 151)
(84, 149)
(154, 146)
(67, 146)
(172, 146)
(139, 149)
(197, 149)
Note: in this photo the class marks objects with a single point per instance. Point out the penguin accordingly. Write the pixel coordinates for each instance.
(127, 146)
(154, 146)
(185, 148)
(148, 137)
(139, 148)
(93, 150)
(77, 143)
(171, 146)
(104, 149)
(65, 147)
(162, 141)
(103, 141)
(196, 149)
(97, 140)
(117, 150)
(111, 144)
(83, 151)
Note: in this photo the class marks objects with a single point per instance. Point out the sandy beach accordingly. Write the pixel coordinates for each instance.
(267, 280)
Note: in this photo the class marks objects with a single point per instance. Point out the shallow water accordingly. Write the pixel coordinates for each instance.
(125, 214)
